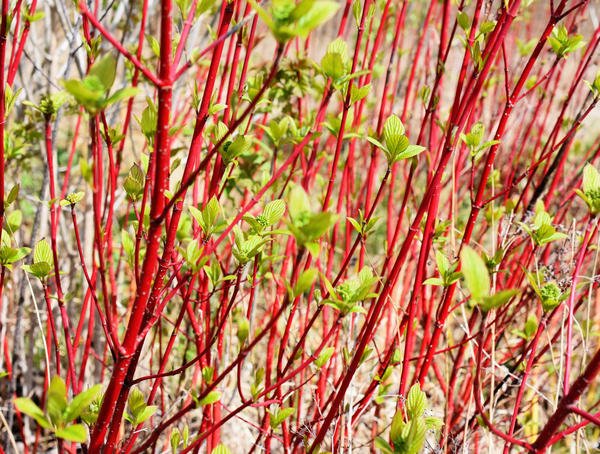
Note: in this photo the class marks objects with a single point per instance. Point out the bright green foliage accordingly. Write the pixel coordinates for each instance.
(61, 413)
(348, 295)
(247, 246)
(243, 328)
(207, 217)
(93, 92)
(595, 86)
(72, 199)
(396, 145)
(448, 273)
(148, 120)
(477, 281)
(549, 293)
(541, 229)
(358, 93)
(279, 415)
(43, 261)
(193, 256)
(463, 20)
(324, 357)
(590, 189)
(221, 449)
(12, 195)
(137, 410)
(336, 64)
(362, 225)
(271, 215)
(210, 398)
(473, 140)
(48, 106)
(307, 227)
(8, 253)
(287, 20)
(563, 44)
(305, 281)
(408, 433)
(134, 183)
(282, 131)
(232, 149)
(180, 437)
(256, 386)
(529, 329)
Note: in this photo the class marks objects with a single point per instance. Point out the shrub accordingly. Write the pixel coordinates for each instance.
(300, 226)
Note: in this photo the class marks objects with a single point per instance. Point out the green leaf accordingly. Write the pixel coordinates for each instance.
(497, 300)
(410, 151)
(211, 211)
(324, 357)
(320, 13)
(134, 182)
(12, 195)
(358, 93)
(397, 428)
(74, 432)
(318, 225)
(298, 204)
(221, 449)
(477, 278)
(243, 329)
(531, 326)
(72, 199)
(591, 179)
(433, 423)
(416, 436)
(463, 20)
(487, 26)
(84, 95)
(210, 398)
(42, 252)
(26, 406)
(377, 143)
(136, 402)
(13, 220)
(305, 281)
(280, 415)
(416, 402)
(175, 439)
(121, 94)
(434, 281)
(145, 414)
(393, 135)
(9, 255)
(313, 248)
(216, 108)
(105, 69)
(81, 403)
(57, 400)
(357, 225)
(333, 65)
(40, 270)
(442, 262)
(274, 211)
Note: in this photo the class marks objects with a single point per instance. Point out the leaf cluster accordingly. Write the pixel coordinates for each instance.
(287, 19)
(408, 433)
(60, 413)
(477, 281)
(396, 145)
(93, 91)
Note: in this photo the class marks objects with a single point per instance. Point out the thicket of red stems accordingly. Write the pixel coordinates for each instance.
(142, 296)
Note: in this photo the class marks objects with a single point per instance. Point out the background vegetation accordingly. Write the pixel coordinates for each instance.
(314, 226)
